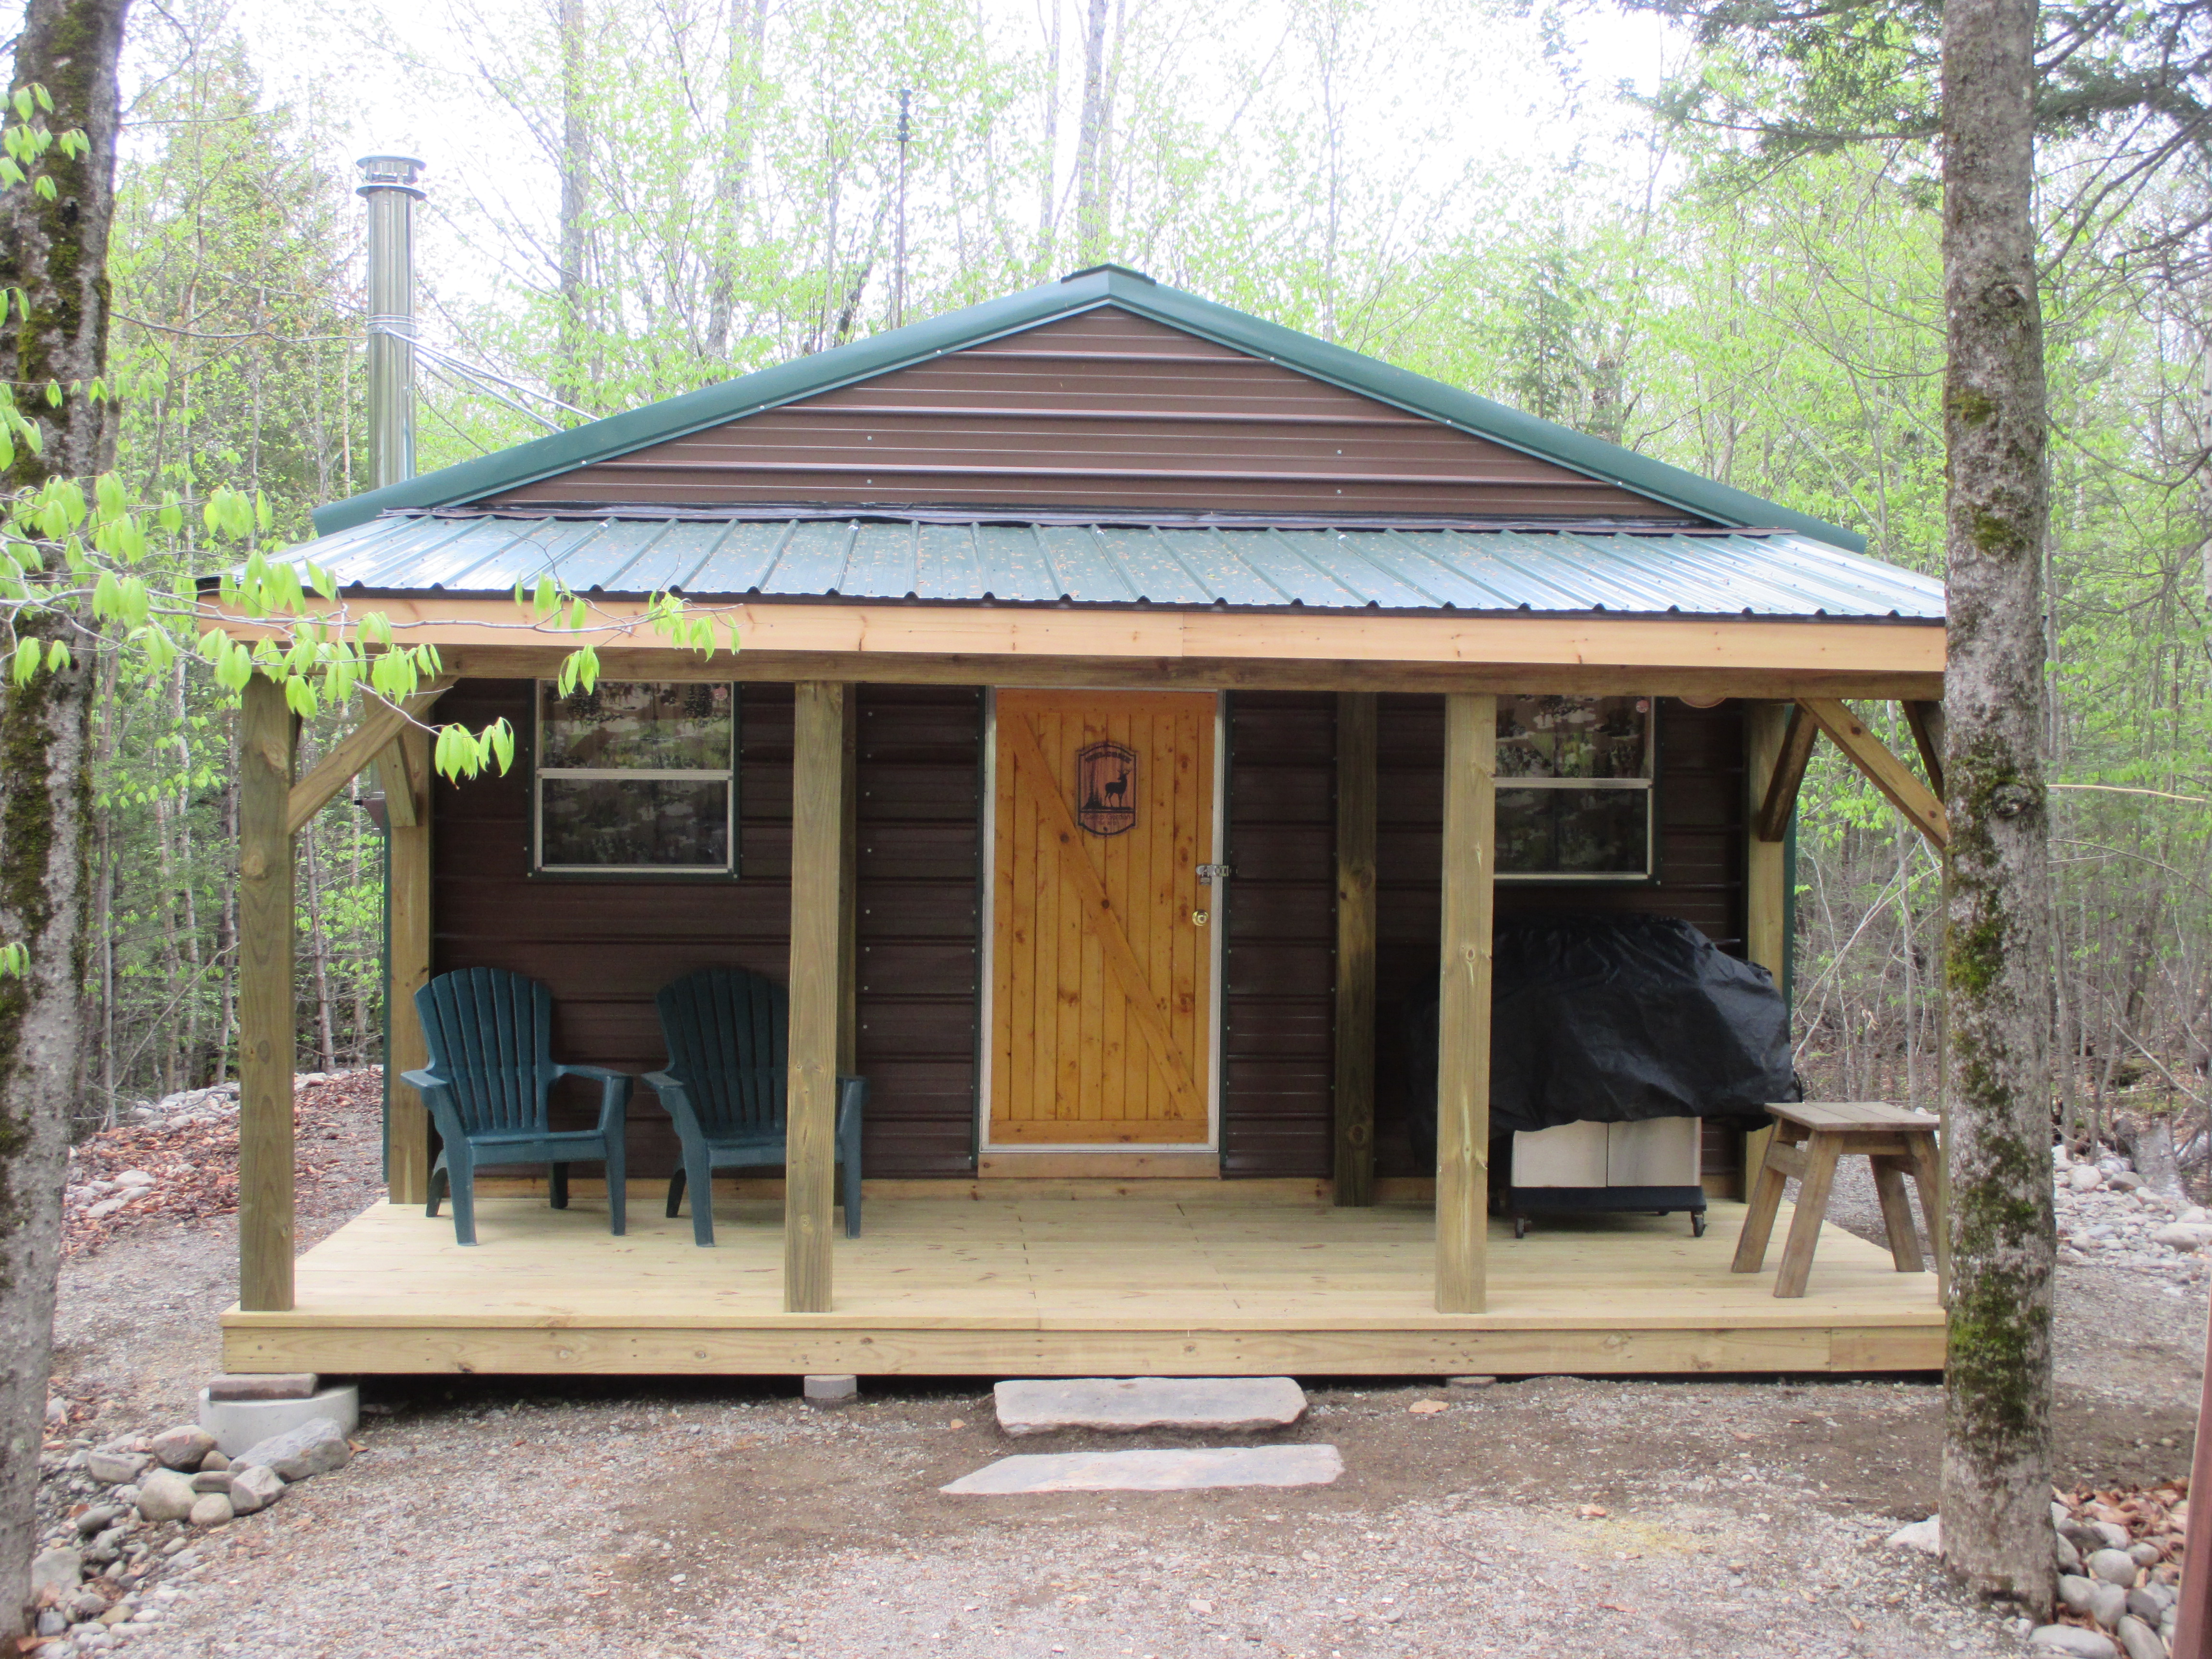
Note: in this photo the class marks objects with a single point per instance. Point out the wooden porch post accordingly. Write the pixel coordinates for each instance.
(406, 772)
(1463, 1014)
(848, 890)
(1765, 904)
(818, 863)
(267, 745)
(1355, 948)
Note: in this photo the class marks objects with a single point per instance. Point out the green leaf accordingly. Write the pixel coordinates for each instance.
(24, 103)
(43, 188)
(14, 961)
(45, 98)
(58, 656)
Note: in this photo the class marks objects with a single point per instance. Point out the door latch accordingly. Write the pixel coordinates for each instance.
(1210, 873)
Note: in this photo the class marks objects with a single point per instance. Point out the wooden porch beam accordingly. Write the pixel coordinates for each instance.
(267, 740)
(1926, 719)
(383, 722)
(818, 863)
(1355, 948)
(1777, 803)
(406, 768)
(1883, 769)
(1463, 1013)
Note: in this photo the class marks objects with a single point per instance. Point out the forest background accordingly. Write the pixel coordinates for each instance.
(633, 198)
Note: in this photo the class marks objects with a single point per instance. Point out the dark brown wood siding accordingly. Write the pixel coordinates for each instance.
(1105, 410)
(606, 946)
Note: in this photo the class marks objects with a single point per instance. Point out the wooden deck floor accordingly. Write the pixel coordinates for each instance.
(1068, 1282)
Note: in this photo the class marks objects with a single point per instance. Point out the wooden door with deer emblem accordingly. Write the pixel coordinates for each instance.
(1101, 930)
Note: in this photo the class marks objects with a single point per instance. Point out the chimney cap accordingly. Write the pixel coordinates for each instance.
(388, 170)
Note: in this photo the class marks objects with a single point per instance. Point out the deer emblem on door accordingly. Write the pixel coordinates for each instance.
(1106, 788)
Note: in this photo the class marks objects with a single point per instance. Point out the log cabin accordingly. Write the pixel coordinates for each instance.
(1138, 708)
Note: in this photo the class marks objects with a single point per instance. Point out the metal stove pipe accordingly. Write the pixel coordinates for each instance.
(388, 184)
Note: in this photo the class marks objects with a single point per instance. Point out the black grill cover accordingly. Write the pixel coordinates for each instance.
(1615, 1019)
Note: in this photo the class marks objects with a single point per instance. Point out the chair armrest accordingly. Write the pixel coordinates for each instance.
(438, 1094)
(614, 1091)
(852, 1096)
(676, 1099)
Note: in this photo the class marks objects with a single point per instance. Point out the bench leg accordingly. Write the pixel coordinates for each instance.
(1897, 1213)
(1930, 1180)
(1758, 1217)
(1820, 1153)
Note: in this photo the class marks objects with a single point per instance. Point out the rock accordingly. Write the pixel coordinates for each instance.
(2150, 1602)
(98, 1518)
(2072, 1640)
(212, 1510)
(165, 1495)
(238, 1425)
(2196, 1212)
(55, 1573)
(111, 1467)
(2126, 1181)
(208, 1481)
(1471, 1381)
(216, 1461)
(834, 1389)
(1188, 1470)
(2067, 1558)
(1926, 1536)
(134, 1178)
(316, 1447)
(2108, 1603)
(2140, 1641)
(86, 1603)
(254, 1487)
(2107, 1535)
(2073, 1591)
(183, 1446)
(2083, 1178)
(126, 1497)
(2146, 1554)
(1132, 1404)
(2188, 1236)
(53, 1622)
(273, 1385)
(2112, 1566)
(105, 1547)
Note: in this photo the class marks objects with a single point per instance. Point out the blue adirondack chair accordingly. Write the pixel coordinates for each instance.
(490, 1037)
(725, 1088)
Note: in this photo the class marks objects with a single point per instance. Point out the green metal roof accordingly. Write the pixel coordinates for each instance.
(806, 377)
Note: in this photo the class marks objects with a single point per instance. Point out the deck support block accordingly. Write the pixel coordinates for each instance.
(1470, 860)
(268, 745)
(817, 866)
(405, 777)
(1355, 948)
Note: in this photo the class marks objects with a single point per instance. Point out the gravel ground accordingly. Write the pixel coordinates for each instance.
(635, 1518)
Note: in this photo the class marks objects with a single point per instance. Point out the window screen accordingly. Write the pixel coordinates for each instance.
(636, 776)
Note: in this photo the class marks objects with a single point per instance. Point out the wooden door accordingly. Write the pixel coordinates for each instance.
(1101, 934)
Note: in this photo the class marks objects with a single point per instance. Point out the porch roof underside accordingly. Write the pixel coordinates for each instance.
(1401, 569)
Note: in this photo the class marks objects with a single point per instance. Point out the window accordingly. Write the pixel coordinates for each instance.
(636, 776)
(1574, 788)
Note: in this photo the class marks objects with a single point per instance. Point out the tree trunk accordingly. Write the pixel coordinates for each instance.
(575, 193)
(1091, 185)
(54, 253)
(748, 36)
(1996, 1439)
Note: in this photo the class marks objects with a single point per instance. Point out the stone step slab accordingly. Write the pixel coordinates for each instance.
(1183, 1469)
(1124, 1405)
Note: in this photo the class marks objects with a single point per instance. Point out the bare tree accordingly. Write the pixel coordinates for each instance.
(53, 262)
(1093, 183)
(1997, 1387)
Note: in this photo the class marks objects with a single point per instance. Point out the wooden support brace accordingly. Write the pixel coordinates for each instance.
(267, 743)
(382, 723)
(818, 863)
(1355, 948)
(1463, 1012)
(1779, 803)
(1926, 719)
(1883, 769)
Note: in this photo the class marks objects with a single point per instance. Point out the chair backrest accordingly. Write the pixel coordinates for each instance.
(726, 1030)
(490, 1036)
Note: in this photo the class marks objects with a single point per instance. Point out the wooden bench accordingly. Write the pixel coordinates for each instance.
(1809, 1138)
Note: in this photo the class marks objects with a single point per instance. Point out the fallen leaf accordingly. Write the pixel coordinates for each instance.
(1740, 1435)
(604, 1591)
(1590, 1512)
(1426, 1407)
(955, 1424)
(1612, 1607)
(1857, 1623)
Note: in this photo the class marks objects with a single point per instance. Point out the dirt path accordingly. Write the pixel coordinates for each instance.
(636, 1518)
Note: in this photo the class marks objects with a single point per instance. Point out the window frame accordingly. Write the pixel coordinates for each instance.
(1648, 784)
(539, 870)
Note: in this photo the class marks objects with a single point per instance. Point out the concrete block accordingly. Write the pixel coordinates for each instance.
(238, 1424)
(1188, 1470)
(1130, 1404)
(831, 1390)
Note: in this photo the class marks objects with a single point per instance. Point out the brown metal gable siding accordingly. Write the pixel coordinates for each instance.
(606, 947)
(1103, 410)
